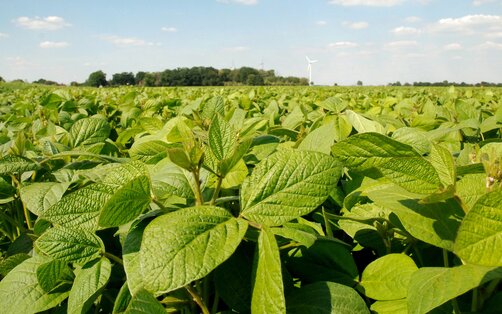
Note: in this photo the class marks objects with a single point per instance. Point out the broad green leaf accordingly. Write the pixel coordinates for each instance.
(214, 106)
(396, 161)
(38, 197)
(388, 277)
(325, 298)
(20, 291)
(11, 164)
(432, 286)
(362, 124)
(235, 176)
(435, 223)
(50, 274)
(143, 302)
(89, 281)
(186, 245)
(415, 137)
(302, 237)
(170, 181)
(81, 208)
(390, 307)
(150, 151)
(222, 138)
(268, 287)
(334, 103)
(130, 254)
(444, 164)
(479, 239)
(287, 185)
(122, 300)
(131, 196)
(71, 245)
(471, 187)
(89, 131)
(7, 264)
(319, 140)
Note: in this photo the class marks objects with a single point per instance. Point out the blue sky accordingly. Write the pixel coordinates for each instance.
(376, 41)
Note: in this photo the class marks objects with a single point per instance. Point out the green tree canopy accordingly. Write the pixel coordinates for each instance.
(96, 79)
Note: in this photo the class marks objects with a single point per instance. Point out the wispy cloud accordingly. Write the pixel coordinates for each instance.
(404, 30)
(413, 19)
(401, 44)
(243, 2)
(321, 23)
(452, 46)
(370, 3)
(41, 23)
(54, 44)
(481, 2)
(491, 45)
(127, 41)
(343, 44)
(4, 35)
(467, 23)
(356, 25)
(169, 29)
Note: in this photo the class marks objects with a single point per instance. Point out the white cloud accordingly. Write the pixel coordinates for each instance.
(343, 44)
(44, 23)
(493, 35)
(321, 23)
(243, 2)
(370, 3)
(169, 29)
(413, 19)
(468, 23)
(404, 30)
(237, 49)
(481, 2)
(401, 44)
(4, 35)
(127, 41)
(491, 45)
(54, 44)
(453, 46)
(356, 25)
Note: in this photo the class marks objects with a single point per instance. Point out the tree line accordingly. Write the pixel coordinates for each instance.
(195, 76)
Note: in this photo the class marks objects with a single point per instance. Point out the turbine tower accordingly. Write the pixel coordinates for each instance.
(309, 67)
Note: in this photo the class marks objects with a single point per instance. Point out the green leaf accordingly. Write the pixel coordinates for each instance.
(89, 131)
(388, 277)
(131, 196)
(214, 106)
(432, 286)
(396, 161)
(38, 197)
(390, 307)
(50, 274)
(122, 300)
(150, 151)
(320, 139)
(81, 208)
(415, 137)
(304, 238)
(362, 124)
(89, 281)
(186, 245)
(170, 181)
(325, 298)
(287, 185)
(222, 138)
(479, 239)
(180, 158)
(444, 164)
(143, 302)
(435, 223)
(71, 245)
(268, 287)
(471, 187)
(20, 291)
(11, 164)
(7, 264)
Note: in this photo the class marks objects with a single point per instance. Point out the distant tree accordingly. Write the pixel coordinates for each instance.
(1, 79)
(254, 80)
(139, 78)
(45, 82)
(96, 79)
(359, 83)
(124, 78)
(151, 79)
(73, 83)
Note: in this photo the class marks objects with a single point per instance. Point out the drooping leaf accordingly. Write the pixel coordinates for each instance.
(435, 223)
(319, 140)
(89, 131)
(432, 286)
(388, 277)
(444, 164)
(471, 187)
(268, 287)
(50, 274)
(89, 281)
(20, 291)
(479, 239)
(325, 298)
(38, 197)
(186, 245)
(362, 124)
(7, 264)
(122, 300)
(71, 245)
(390, 307)
(304, 238)
(16, 164)
(287, 185)
(143, 302)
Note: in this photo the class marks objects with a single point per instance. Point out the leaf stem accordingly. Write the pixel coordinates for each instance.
(114, 258)
(198, 193)
(27, 216)
(327, 223)
(475, 299)
(197, 299)
(216, 191)
(216, 299)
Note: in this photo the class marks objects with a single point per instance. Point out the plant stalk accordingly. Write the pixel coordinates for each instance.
(197, 299)
(216, 191)
(198, 193)
(114, 258)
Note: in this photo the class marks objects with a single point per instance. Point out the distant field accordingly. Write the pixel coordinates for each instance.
(250, 199)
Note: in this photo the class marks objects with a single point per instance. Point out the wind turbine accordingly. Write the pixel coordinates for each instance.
(309, 67)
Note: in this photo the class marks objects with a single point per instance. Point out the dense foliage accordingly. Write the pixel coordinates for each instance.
(262, 200)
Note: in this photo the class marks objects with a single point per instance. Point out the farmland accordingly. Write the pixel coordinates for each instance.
(250, 199)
